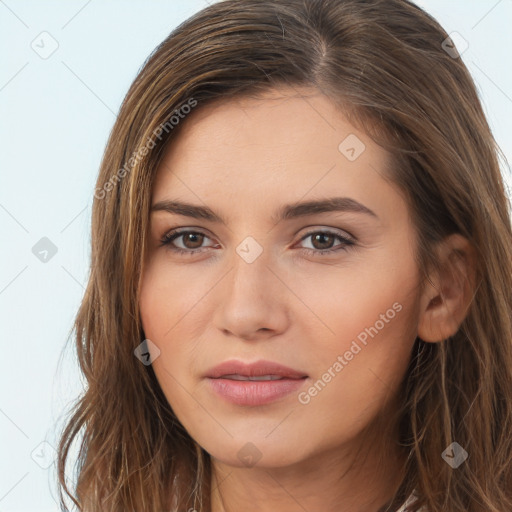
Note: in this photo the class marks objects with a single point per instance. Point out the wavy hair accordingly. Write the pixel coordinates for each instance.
(382, 63)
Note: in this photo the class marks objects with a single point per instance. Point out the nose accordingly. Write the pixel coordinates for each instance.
(253, 301)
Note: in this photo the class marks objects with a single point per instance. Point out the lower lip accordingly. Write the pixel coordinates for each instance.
(254, 392)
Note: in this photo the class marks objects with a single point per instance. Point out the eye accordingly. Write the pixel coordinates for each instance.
(323, 240)
(192, 241)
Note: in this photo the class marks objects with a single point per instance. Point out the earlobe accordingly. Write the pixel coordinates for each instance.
(449, 291)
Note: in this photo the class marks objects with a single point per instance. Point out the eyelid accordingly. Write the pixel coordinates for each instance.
(331, 231)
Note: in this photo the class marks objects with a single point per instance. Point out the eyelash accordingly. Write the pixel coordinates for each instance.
(173, 235)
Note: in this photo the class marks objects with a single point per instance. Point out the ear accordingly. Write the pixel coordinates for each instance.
(448, 293)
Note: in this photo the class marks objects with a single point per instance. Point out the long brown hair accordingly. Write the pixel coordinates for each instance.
(384, 64)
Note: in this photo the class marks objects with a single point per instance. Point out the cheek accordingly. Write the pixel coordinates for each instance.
(372, 340)
(167, 297)
(349, 303)
(359, 371)
(153, 297)
(372, 316)
(167, 301)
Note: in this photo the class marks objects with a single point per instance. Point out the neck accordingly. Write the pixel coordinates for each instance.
(346, 479)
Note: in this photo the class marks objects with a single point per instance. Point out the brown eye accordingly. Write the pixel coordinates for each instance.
(322, 240)
(192, 240)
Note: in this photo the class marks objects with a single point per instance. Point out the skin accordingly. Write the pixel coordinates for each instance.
(245, 159)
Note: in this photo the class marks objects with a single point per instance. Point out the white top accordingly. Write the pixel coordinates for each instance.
(409, 501)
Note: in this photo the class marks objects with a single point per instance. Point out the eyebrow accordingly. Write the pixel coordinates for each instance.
(286, 212)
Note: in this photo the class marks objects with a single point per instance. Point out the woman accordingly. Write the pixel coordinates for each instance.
(300, 278)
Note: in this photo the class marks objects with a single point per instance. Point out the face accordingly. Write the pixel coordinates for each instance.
(246, 275)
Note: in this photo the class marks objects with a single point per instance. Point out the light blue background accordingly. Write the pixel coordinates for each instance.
(55, 116)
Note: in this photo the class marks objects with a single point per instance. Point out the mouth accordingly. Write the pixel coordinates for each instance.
(266, 370)
(254, 384)
(235, 376)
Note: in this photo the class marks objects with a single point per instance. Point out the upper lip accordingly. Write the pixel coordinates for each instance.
(256, 369)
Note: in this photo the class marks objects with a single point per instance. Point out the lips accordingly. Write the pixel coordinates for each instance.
(245, 377)
(254, 384)
(234, 369)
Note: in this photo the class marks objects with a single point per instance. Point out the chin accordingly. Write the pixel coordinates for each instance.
(251, 452)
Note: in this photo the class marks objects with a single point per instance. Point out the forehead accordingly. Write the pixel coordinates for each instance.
(283, 145)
